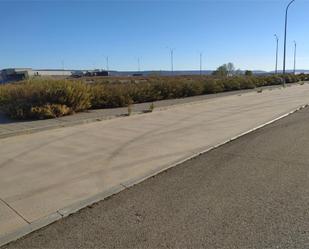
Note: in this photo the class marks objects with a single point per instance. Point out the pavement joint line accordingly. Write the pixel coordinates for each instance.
(62, 213)
(14, 210)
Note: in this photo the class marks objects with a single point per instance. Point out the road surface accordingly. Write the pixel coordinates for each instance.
(252, 193)
(46, 175)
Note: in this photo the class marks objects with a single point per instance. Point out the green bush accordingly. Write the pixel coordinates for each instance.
(35, 99)
(231, 84)
(290, 78)
(213, 86)
(247, 82)
(109, 96)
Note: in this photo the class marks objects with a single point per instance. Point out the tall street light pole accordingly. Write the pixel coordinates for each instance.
(201, 63)
(172, 59)
(295, 47)
(107, 66)
(277, 42)
(138, 64)
(62, 63)
(285, 30)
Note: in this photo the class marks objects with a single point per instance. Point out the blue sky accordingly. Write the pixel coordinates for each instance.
(42, 34)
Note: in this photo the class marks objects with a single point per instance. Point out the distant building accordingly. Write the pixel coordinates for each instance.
(137, 74)
(100, 73)
(96, 72)
(51, 72)
(77, 73)
(14, 74)
(17, 74)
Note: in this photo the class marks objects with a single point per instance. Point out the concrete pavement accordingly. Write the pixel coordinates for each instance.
(43, 173)
(251, 193)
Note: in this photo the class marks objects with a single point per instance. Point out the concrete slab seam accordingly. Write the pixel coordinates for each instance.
(14, 210)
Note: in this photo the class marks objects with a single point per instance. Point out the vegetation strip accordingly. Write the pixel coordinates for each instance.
(47, 98)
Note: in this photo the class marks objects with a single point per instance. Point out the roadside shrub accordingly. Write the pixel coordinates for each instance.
(303, 77)
(109, 96)
(50, 111)
(47, 98)
(273, 80)
(213, 86)
(290, 78)
(246, 82)
(151, 107)
(231, 84)
(37, 99)
(192, 88)
(130, 107)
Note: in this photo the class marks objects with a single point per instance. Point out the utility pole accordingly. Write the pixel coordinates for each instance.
(172, 60)
(285, 31)
(107, 66)
(62, 63)
(201, 63)
(138, 64)
(295, 47)
(277, 41)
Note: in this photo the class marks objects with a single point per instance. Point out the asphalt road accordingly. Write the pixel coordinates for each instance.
(250, 193)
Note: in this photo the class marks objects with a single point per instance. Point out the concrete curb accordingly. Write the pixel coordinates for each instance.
(64, 212)
(152, 173)
(12, 236)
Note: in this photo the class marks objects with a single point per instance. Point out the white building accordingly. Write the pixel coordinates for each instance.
(50, 72)
(15, 74)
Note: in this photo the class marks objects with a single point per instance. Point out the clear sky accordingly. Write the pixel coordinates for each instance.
(42, 34)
